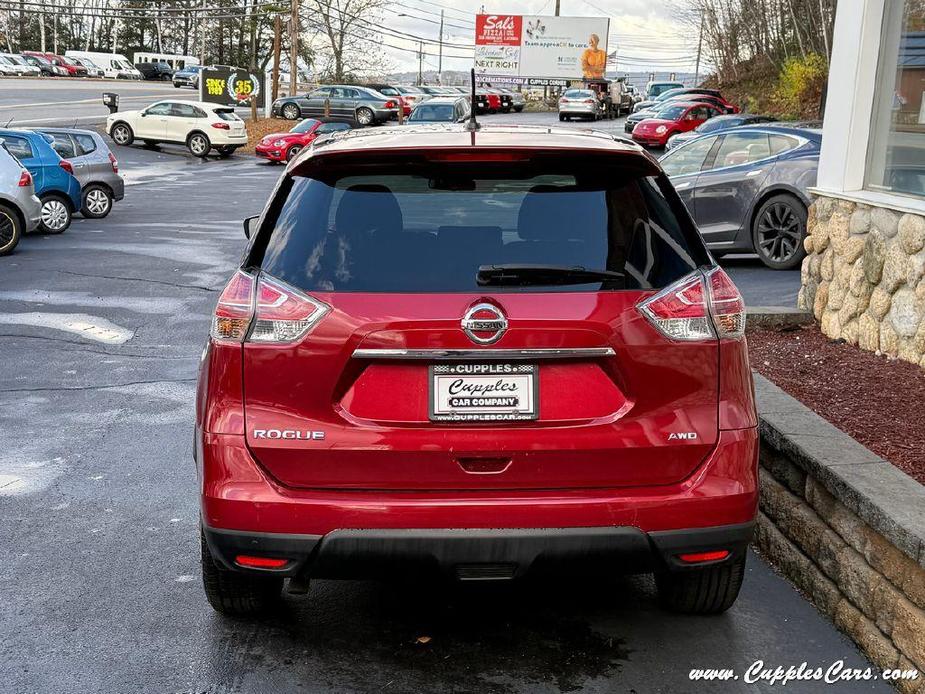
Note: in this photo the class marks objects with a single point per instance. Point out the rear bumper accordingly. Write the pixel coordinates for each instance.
(476, 553)
(241, 503)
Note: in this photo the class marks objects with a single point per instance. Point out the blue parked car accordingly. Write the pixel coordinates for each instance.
(747, 188)
(55, 184)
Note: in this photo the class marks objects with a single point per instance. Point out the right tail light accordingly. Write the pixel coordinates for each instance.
(699, 306)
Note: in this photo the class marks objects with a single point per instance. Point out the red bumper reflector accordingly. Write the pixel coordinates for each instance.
(699, 557)
(260, 562)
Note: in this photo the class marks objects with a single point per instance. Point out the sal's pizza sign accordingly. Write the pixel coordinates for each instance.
(498, 29)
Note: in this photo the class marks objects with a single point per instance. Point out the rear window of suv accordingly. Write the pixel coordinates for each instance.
(431, 228)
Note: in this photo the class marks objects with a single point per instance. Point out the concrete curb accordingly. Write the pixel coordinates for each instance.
(775, 317)
(885, 497)
(847, 527)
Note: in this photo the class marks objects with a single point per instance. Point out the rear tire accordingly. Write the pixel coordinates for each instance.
(56, 214)
(778, 231)
(198, 145)
(365, 116)
(708, 590)
(237, 594)
(10, 230)
(561, 118)
(97, 202)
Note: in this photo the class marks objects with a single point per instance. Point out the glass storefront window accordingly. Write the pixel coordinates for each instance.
(896, 154)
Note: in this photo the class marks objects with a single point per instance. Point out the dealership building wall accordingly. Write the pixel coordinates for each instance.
(864, 275)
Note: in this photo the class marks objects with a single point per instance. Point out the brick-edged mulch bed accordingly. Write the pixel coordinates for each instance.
(878, 401)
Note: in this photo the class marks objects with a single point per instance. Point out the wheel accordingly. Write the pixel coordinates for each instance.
(122, 134)
(518, 109)
(707, 590)
(364, 116)
(198, 145)
(561, 118)
(151, 144)
(226, 151)
(10, 230)
(291, 112)
(97, 201)
(293, 152)
(56, 214)
(239, 594)
(778, 231)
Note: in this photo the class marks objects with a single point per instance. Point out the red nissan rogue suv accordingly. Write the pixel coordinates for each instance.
(478, 353)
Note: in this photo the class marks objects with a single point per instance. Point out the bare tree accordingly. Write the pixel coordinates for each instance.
(348, 41)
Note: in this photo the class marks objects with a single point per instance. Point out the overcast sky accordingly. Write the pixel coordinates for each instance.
(646, 34)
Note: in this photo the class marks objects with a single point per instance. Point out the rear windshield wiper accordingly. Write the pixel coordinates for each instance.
(524, 275)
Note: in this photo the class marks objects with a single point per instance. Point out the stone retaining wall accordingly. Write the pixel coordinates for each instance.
(847, 528)
(864, 276)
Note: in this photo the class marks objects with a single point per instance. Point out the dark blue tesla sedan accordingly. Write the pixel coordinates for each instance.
(746, 188)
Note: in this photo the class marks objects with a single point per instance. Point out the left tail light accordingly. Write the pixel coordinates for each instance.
(114, 162)
(66, 165)
(25, 179)
(265, 310)
(221, 126)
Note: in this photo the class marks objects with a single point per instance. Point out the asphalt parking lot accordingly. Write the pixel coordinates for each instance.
(100, 332)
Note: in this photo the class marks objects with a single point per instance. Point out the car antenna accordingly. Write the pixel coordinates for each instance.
(472, 123)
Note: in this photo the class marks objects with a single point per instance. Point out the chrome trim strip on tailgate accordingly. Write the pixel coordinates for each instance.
(484, 354)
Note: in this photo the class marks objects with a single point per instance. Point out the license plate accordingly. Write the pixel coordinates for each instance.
(483, 392)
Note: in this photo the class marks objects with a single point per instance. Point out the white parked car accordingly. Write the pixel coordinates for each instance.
(196, 124)
(11, 64)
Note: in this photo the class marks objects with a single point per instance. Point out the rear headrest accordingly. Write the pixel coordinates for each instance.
(475, 237)
(368, 208)
(548, 212)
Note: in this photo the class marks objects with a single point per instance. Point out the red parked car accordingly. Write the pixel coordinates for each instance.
(676, 117)
(285, 146)
(480, 354)
(73, 69)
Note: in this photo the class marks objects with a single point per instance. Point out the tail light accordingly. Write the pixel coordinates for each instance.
(589, 101)
(271, 312)
(563, 100)
(221, 126)
(702, 557)
(66, 165)
(235, 308)
(698, 307)
(114, 162)
(389, 104)
(25, 179)
(253, 562)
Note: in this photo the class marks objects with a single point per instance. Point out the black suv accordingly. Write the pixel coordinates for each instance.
(155, 71)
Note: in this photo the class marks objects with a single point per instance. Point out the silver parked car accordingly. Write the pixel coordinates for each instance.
(441, 109)
(580, 103)
(95, 167)
(20, 209)
(366, 106)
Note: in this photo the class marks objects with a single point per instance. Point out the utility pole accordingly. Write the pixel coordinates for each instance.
(202, 32)
(277, 31)
(699, 47)
(557, 8)
(294, 49)
(420, 62)
(440, 59)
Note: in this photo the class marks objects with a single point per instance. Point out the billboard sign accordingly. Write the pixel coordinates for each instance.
(229, 86)
(525, 49)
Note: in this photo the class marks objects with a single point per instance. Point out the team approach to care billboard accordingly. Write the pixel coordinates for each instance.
(527, 49)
